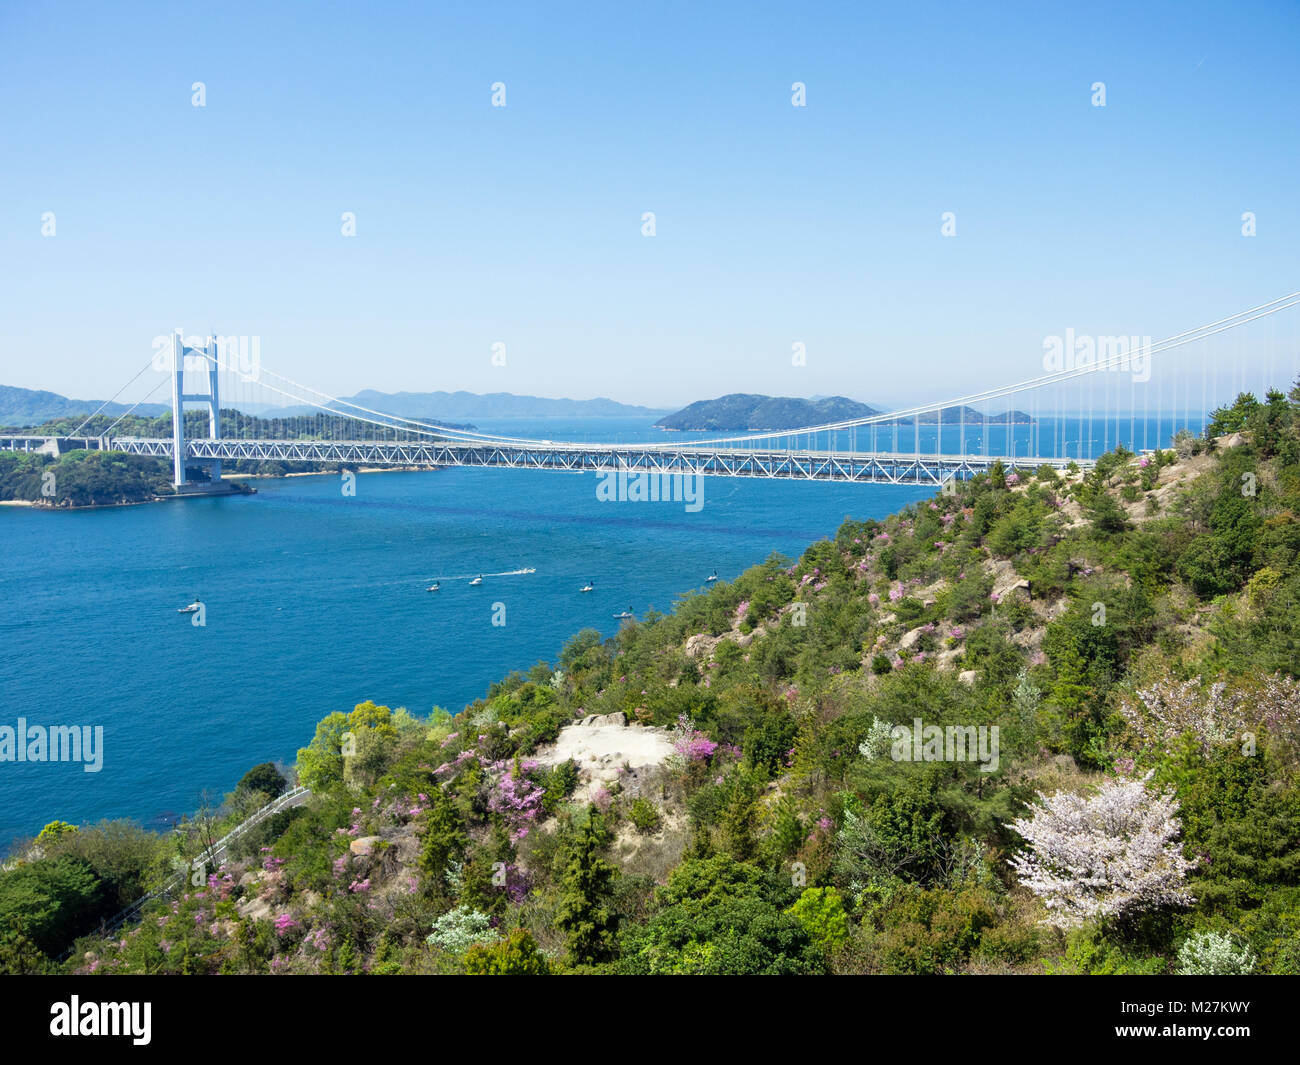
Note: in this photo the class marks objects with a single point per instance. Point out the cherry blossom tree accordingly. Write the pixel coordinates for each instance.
(1165, 710)
(1109, 855)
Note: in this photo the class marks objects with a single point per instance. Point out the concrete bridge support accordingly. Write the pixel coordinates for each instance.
(211, 399)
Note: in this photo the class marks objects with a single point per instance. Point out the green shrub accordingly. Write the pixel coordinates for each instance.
(515, 955)
(644, 815)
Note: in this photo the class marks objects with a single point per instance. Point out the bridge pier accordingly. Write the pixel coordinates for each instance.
(211, 399)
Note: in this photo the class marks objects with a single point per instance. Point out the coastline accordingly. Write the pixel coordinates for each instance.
(38, 505)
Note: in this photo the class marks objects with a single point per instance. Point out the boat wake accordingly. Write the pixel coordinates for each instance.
(473, 576)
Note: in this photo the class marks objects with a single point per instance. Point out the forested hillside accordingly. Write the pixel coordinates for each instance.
(83, 478)
(797, 772)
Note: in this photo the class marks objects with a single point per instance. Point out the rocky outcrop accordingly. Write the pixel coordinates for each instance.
(363, 845)
(607, 749)
(701, 645)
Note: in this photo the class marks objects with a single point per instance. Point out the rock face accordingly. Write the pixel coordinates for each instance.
(945, 658)
(909, 638)
(1005, 579)
(363, 844)
(607, 749)
(700, 645)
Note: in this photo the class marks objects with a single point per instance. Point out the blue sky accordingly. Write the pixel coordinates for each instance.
(522, 224)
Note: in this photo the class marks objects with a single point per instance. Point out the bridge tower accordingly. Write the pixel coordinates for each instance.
(211, 399)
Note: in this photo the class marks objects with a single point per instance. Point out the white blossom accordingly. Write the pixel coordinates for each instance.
(461, 928)
(1166, 710)
(878, 740)
(1111, 854)
(1212, 954)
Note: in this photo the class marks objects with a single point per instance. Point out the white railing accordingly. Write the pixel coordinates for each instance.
(210, 855)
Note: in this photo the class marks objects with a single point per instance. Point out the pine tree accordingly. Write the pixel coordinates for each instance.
(444, 838)
(584, 914)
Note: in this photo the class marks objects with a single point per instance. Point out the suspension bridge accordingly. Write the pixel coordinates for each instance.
(1116, 390)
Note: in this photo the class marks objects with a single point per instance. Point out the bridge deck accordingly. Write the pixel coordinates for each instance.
(658, 459)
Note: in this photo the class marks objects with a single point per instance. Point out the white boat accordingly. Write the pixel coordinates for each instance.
(625, 614)
(434, 586)
(588, 587)
(477, 580)
(710, 580)
(193, 608)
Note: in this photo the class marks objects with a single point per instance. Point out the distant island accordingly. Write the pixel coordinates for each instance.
(465, 406)
(744, 412)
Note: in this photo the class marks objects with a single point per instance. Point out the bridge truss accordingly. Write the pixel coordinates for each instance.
(803, 465)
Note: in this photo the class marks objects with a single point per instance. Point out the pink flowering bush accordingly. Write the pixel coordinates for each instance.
(692, 744)
(514, 796)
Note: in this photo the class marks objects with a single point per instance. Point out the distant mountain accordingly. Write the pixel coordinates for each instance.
(471, 406)
(742, 412)
(24, 406)
(955, 415)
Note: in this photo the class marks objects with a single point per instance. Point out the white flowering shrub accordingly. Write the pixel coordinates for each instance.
(1213, 954)
(461, 928)
(482, 719)
(1025, 697)
(1166, 710)
(878, 739)
(1112, 854)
